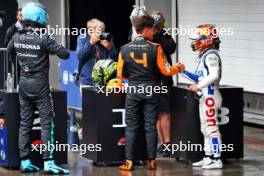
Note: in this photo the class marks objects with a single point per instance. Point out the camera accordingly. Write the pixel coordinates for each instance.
(106, 36)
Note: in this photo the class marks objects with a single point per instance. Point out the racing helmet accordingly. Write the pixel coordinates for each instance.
(35, 14)
(103, 71)
(204, 36)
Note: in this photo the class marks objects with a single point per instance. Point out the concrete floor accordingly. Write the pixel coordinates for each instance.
(251, 165)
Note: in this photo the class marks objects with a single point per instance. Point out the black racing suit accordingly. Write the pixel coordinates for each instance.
(32, 52)
(169, 46)
(141, 61)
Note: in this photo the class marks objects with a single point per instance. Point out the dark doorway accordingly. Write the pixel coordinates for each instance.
(9, 7)
(114, 13)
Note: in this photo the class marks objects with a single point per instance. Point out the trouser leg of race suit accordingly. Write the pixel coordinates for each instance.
(207, 149)
(150, 108)
(209, 125)
(26, 123)
(46, 115)
(132, 123)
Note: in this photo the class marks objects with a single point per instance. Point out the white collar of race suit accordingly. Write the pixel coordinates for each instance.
(205, 51)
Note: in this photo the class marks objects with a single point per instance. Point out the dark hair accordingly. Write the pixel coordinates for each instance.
(142, 22)
(216, 42)
(18, 10)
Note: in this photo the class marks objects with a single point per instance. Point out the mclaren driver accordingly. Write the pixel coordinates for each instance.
(142, 61)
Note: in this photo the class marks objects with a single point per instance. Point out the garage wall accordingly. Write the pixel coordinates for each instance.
(164, 6)
(242, 53)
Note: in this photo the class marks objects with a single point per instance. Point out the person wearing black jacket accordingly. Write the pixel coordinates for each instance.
(169, 46)
(32, 51)
(14, 28)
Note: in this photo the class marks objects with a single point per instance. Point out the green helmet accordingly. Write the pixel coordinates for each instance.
(103, 71)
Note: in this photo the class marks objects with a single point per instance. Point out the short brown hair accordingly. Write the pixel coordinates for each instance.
(18, 10)
(142, 22)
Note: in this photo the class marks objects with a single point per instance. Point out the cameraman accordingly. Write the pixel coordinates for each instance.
(91, 48)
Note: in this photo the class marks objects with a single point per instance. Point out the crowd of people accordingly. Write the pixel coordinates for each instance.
(144, 61)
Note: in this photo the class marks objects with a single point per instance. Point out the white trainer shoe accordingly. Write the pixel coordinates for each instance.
(204, 161)
(215, 164)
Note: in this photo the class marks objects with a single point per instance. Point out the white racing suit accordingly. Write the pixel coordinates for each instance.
(207, 76)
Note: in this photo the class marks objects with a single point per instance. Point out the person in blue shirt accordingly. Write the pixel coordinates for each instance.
(91, 48)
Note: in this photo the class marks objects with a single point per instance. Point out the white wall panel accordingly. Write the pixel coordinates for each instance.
(242, 53)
